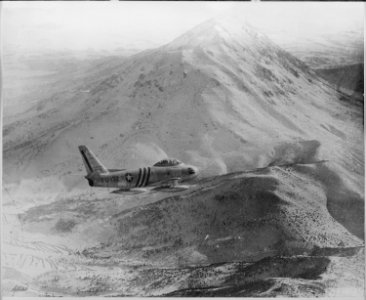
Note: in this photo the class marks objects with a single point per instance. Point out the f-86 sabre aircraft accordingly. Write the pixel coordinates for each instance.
(165, 173)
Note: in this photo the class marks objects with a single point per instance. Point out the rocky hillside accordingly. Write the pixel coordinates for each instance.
(270, 231)
(222, 96)
(348, 79)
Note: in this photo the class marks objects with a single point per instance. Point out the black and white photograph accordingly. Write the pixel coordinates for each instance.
(182, 149)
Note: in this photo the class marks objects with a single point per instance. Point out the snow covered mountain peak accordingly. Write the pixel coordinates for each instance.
(215, 31)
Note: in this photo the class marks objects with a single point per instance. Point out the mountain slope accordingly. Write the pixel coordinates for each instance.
(340, 47)
(348, 79)
(218, 238)
(222, 96)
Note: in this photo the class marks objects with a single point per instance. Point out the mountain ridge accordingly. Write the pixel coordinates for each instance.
(278, 208)
(156, 100)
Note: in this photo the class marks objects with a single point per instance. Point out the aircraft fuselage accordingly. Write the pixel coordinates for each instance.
(141, 177)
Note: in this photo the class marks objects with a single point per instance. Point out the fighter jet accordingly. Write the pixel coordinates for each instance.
(164, 174)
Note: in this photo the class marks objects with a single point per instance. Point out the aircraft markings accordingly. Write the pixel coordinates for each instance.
(138, 178)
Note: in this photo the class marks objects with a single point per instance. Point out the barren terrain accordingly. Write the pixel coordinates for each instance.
(278, 209)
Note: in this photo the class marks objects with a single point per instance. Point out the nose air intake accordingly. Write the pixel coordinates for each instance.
(191, 171)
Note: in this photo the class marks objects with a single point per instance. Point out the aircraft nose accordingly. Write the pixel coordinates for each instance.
(192, 170)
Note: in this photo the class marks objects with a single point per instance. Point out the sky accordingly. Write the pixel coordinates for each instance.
(44, 25)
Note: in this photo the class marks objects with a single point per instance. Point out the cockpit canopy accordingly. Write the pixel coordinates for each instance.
(168, 162)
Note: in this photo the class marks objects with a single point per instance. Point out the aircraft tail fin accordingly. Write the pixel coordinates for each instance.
(91, 162)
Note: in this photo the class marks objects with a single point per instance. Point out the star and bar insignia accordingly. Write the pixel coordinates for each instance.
(128, 177)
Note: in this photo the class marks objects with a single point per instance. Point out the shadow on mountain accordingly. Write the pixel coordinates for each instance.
(267, 232)
(348, 79)
(263, 278)
(343, 204)
(278, 210)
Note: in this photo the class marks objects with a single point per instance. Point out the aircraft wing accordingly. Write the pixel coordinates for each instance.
(168, 185)
(130, 192)
(171, 182)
